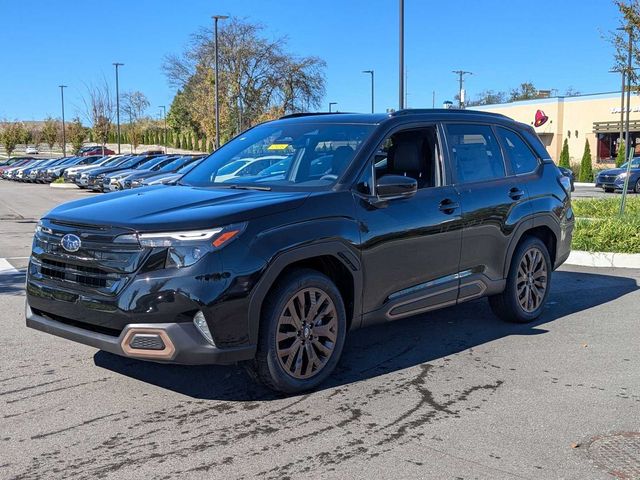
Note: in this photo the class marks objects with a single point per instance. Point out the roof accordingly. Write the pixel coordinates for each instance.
(436, 114)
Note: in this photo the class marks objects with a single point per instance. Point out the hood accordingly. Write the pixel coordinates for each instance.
(617, 171)
(164, 178)
(121, 173)
(105, 170)
(80, 168)
(166, 208)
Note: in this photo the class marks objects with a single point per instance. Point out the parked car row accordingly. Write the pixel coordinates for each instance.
(101, 173)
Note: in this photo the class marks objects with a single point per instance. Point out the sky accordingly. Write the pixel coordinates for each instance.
(556, 44)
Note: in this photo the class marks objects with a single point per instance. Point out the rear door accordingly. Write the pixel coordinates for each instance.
(493, 202)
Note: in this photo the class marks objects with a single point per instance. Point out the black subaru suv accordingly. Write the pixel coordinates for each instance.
(366, 219)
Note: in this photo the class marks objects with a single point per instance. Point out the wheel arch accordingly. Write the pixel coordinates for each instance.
(333, 259)
(544, 227)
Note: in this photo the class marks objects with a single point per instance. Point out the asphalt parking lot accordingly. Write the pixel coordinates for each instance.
(455, 394)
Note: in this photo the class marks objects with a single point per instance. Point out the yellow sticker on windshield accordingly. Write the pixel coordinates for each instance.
(278, 146)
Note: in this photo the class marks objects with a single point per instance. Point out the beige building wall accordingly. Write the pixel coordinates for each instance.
(572, 118)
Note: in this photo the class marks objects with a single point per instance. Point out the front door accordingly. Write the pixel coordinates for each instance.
(410, 247)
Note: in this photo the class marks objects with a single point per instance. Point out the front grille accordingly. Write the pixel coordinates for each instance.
(83, 275)
(608, 178)
(100, 265)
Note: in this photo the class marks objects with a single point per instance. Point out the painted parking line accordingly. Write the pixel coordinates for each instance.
(6, 268)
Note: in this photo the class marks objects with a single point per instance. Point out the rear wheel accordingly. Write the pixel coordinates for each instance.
(302, 332)
(528, 283)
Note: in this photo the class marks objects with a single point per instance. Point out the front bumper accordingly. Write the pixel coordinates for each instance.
(615, 184)
(183, 344)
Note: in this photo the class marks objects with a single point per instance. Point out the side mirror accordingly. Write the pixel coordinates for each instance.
(391, 187)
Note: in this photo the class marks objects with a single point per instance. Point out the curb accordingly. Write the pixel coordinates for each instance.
(584, 184)
(604, 259)
(63, 185)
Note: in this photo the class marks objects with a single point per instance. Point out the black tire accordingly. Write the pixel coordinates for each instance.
(608, 190)
(269, 366)
(636, 189)
(509, 304)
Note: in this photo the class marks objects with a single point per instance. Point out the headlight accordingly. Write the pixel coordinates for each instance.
(186, 248)
(623, 175)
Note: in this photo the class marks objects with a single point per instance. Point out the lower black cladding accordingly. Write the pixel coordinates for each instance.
(112, 332)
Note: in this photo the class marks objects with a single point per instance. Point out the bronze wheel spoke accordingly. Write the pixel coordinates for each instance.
(531, 282)
(306, 333)
(325, 331)
(282, 336)
(315, 306)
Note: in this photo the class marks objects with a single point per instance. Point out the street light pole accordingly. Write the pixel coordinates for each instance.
(64, 137)
(401, 58)
(331, 104)
(215, 34)
(630, 150)
(372, 87)
(116, 64)
(164, 114)
(461, 74)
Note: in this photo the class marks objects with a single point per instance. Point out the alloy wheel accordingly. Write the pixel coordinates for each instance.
(531, 283)
(306, 333)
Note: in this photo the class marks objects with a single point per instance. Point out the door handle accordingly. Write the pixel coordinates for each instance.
(448, 206)
(516, 193)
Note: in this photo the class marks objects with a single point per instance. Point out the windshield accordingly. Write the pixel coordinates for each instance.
(635, 163)
(317, 155)
(174, 164)
(189, 166)
(150, 163)
(277, 168)
(232, 167)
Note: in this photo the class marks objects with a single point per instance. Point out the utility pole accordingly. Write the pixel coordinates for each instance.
(433, 99)
(630, 150)
(461, 74)
(64, 137)
(117, 105)
(331, 104)
(372, 87)
(216, 18)
(164, 114)
(401, 58)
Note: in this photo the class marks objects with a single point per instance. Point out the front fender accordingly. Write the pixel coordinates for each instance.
(305, 241)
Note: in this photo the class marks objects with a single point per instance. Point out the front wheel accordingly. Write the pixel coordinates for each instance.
(528, 283)
(302, 332)
(636, 189)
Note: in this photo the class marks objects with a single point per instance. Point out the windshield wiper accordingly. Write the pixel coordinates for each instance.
(249, 187)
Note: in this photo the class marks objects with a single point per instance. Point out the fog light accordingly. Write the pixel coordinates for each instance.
(201, 324)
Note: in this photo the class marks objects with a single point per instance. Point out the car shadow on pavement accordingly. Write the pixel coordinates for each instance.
(389, 347)
(12, 283)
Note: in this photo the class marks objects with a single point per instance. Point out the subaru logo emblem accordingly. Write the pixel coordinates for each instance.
(71, 242)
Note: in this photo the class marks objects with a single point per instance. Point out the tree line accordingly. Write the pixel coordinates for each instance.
(258, 80)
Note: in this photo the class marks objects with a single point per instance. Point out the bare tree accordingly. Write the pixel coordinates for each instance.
(134, 105)
(99, 110)
(629, 23)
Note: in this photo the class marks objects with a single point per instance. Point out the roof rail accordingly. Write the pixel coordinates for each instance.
(414, 111)
(309, 114)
